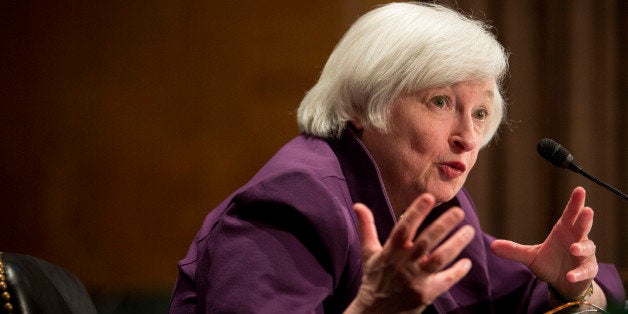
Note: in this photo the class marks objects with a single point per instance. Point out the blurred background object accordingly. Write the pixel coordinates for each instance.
(123, 123)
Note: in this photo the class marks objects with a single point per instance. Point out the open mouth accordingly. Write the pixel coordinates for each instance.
(452, 169)
(459, 166)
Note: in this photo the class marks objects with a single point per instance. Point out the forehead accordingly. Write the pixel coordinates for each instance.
(484, 89)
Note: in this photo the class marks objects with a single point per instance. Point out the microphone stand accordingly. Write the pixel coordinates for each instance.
(602, 183)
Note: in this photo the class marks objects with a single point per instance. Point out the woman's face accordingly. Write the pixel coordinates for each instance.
(433, 141)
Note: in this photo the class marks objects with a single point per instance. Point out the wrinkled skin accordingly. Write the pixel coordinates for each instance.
(566, 259)
(406, 275)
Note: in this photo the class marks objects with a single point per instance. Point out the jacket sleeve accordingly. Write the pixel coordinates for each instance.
(285, 245)
(609, 280)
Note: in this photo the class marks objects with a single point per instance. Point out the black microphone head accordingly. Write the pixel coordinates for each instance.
(556, 154)
(552, 152)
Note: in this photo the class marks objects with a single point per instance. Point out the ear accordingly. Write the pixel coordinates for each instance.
(357, 123)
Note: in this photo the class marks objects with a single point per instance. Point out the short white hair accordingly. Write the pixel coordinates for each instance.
(401, 48)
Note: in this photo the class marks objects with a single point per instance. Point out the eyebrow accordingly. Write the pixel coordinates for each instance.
(490, 93)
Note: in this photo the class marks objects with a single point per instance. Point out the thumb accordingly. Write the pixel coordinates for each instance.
(367, 230)
(523, 254)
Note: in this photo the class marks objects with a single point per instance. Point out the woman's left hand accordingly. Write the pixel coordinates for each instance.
(566, 259)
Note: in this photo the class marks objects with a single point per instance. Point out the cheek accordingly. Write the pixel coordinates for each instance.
(473, 157)
(428, 141)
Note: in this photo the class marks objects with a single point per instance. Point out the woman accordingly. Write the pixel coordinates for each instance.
(343, 217)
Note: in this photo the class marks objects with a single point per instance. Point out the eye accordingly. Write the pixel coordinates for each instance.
(440, 101)
(481, 114)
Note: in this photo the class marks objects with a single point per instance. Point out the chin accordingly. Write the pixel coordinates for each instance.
(440, 200)
(444, 195)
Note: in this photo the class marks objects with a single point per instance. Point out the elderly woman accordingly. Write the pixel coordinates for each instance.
(365, 210)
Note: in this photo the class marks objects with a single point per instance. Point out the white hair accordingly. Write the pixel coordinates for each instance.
(401, 48)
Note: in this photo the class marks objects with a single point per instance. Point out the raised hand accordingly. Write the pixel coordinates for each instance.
(406, 274)
(566, 259)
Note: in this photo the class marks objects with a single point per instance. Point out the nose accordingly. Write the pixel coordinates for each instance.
(464, 137)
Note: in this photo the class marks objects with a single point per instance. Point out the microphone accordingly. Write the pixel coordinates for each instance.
(560, 157)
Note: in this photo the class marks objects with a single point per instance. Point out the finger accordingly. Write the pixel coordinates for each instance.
(448, 251)
(584, 248)
(585, 271)
(575, 203)
(444, 280)
(523, 254)
(405, 230)
(583, 223)
(368, 233)
(437, 231)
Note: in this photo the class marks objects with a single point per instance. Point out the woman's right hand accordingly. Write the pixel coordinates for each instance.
(406, 274)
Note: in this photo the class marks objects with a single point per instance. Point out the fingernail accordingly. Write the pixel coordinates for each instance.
(466, 265)
(467, 233)
(424, 202)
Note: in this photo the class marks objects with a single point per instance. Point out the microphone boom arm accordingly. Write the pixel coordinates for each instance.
(604, 184)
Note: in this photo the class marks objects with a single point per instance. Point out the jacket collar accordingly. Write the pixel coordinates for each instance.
(364, 179)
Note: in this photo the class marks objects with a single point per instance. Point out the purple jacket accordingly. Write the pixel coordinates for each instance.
(287, 242)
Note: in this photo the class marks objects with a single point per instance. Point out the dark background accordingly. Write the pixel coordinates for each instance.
(123, 123)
